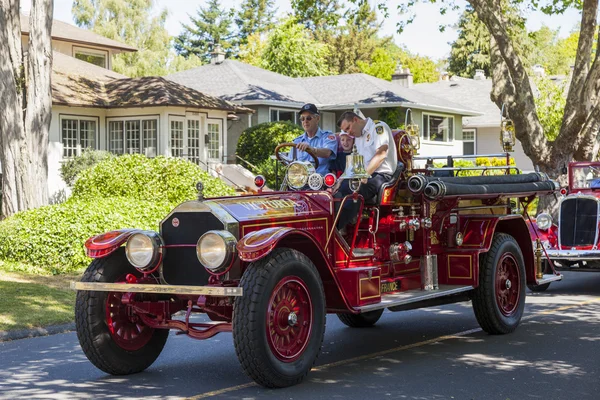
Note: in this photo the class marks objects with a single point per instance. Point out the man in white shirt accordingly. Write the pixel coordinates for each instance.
(375, 142)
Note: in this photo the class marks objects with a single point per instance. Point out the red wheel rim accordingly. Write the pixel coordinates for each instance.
(125, 327)
(508, 284)
(289, 319)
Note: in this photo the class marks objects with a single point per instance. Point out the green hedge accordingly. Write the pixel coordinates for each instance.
(88, 158)
(480, 162)
(129, 191)
(257, 144)
(154, 179)
(52, 237)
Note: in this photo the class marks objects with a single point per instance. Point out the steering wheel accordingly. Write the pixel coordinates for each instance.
(286, 160)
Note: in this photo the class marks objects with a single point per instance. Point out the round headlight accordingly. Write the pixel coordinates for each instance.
(142, 250)
(215, 250)
(543, 221)
(297, 174)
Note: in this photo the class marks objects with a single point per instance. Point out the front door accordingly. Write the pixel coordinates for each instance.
(214, 140)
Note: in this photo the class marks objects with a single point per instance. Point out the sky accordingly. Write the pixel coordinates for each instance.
(421, 37)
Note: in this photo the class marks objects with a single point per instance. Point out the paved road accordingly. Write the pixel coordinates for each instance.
(435, 353)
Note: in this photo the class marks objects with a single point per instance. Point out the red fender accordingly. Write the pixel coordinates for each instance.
(258, 244)
(102, 245)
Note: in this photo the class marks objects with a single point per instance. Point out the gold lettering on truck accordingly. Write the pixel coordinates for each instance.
(268, 204)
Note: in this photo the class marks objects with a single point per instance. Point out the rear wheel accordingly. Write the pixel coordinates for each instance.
(113, 337)
(499, 300)
(361, 320)
(279, 323)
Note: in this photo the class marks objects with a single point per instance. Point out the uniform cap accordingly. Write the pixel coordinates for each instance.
(310, 108)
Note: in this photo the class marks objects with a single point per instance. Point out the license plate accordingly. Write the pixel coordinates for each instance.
(387, 287)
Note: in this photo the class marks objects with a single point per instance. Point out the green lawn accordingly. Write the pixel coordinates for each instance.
(29, 301)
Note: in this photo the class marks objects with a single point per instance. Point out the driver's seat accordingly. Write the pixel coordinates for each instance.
(387, 191)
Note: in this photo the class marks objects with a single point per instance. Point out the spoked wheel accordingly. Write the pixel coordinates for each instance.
(113, 337)
(499, 300)
(279, 323)
(363, 320)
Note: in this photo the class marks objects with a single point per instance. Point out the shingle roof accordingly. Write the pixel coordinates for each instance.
(236, 81)
(244, 83)
(70, 33)
(78, 83)
(470, 93)
(366, 89)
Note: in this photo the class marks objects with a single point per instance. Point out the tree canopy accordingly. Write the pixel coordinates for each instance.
(210, 27)
(254, 17)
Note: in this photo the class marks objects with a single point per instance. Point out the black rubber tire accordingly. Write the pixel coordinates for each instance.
(363, 320)
(539, 288)
(91, 324)
(250, 318)
(485, 305)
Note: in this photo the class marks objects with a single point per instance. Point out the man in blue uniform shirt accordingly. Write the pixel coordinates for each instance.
(322, 143)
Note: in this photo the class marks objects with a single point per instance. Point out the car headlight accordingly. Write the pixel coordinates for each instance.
(144, 250)
(297, 174)
(215, 250)
(543, 221)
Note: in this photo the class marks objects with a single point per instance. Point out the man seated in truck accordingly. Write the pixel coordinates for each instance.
(374, 141)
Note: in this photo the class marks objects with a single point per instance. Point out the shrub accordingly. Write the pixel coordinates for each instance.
(153, 179)
(479, 162)
(52, 237)
(88, 158)
(258, 143)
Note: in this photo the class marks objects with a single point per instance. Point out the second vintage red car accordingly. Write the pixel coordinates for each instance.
(571, 242)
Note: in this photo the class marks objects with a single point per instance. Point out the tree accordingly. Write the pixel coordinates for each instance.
(291, 51)
(131, 22)
(353, 42)
(254, 16)
(423, 69)
(578, 134)
(26, 102)
(251, 52)
(317, 15)
(471, 50)
(211, 27)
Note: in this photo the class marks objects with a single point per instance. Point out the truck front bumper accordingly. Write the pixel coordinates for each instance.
(162, 289)
(573, 255)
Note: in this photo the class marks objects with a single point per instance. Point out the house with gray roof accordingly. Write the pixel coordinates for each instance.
(275, 97)
(96, 107)
(481, 133)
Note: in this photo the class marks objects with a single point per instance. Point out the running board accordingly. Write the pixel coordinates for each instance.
(414, 296)
(549, 278)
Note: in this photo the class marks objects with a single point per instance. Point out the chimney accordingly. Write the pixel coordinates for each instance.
(538, 70)
(217, 56)
(403, 76)
(479, 75)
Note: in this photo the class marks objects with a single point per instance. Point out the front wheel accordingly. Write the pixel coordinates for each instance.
(112, 337)
(499, 300)
(279, 323)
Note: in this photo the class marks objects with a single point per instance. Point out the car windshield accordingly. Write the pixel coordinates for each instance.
(586, 177)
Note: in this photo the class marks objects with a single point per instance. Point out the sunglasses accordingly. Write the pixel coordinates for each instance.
(302, 119)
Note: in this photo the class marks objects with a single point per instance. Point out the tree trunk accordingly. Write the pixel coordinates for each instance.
(25, 101)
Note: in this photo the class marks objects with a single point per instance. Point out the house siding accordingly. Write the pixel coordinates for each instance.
(488, 142)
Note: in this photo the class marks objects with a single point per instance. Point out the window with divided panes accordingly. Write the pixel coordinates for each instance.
(176, 138)
(193, 131)
(133, 136)
(214, 135)
(77, 134)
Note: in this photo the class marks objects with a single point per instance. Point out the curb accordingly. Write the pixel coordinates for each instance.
(36, 332)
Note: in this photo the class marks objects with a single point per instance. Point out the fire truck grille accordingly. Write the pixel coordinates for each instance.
(180, 264)
(578, 222)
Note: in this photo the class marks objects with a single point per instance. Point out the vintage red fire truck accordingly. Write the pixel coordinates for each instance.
(572, 243)
(269, 267)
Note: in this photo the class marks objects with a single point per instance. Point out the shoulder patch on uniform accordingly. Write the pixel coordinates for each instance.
(379, 130)
(331, 137)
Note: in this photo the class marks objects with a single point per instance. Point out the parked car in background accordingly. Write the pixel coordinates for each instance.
(571, 242)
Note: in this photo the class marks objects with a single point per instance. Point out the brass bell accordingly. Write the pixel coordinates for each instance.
(355, 166)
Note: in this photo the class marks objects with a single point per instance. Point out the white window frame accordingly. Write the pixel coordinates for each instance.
(283, 109)
(474, 141)
(92, 52)
(425, 120)
(190, 151)
(124, 120)
(220, 123)
(77, 149)
(173, 118)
